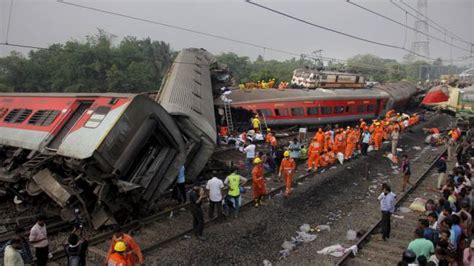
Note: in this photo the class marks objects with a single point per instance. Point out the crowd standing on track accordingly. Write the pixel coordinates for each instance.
(445, 235)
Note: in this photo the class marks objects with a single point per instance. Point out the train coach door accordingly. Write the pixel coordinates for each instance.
(378, 108)
(75, 115)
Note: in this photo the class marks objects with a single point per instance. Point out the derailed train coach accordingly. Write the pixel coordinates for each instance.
(104, 154)
(322, 105)
(110, 156)
(188, 93)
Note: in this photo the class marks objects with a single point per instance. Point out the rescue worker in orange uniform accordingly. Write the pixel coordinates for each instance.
(339, 144)
(133, 250)
(389, 114)
(287, 168)
(273, 144)
(362, 123)
(378, 136)
(331, 157)
(324, 159)
(319, 137)
(119, 256)
(351, 144)
(314, 151)
(327, 141)
(258, 181)
(372, 126)
(269, 136)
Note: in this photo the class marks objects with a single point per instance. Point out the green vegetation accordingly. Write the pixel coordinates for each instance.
(93, 66)
(133, 65)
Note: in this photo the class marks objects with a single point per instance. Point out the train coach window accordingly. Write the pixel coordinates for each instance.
(17, 115)
(281, 112)
(97, 117)
(326, 110)
(43, 117)
(360, 108)
(339, 109)
(3, 111)
(312, 110)
(370, 108)
(264, 112)
(297, 111)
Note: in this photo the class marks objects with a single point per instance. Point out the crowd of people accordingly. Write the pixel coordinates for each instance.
(123, 250)
(444, 235)
(327, 147)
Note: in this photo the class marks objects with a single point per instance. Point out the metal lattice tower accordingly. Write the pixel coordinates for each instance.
(421, 43)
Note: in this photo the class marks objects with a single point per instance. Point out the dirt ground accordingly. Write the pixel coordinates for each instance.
(344, 198)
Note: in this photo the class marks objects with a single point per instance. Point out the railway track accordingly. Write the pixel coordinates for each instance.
(372, 251)
(145, 229)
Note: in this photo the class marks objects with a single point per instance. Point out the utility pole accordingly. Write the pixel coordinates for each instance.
(421, 43)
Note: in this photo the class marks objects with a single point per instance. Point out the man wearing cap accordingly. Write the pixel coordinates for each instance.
(119, 256)
(287, 168)
(214, 187)
(258, 182)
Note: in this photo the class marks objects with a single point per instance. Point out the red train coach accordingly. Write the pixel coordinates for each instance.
(321, 106)
(101, 153)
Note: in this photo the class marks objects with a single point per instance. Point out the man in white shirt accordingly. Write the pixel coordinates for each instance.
(214, 187)
(250, 155)
(39, 240)
(12, 256)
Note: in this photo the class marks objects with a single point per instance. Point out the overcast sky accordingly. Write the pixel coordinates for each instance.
(44, 22)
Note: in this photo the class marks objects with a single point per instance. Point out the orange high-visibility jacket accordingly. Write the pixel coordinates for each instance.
(133, 249)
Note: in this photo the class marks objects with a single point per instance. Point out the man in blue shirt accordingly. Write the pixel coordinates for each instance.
(365, 141)
(179, 192)
(387, 206)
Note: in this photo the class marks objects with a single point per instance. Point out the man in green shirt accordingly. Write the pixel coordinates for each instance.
(234, 181)
(421, 246)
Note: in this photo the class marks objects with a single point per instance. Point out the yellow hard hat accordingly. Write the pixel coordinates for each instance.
(286, 153)
(257, 160)
(120, 246)
(269, 130)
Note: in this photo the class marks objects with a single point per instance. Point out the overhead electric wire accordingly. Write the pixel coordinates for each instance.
(406, 26)
(207, 34)
(174, 27)
(337, 31)
(9, 20)
(435, 23)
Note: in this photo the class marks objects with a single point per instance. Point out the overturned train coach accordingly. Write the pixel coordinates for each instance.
(109, 155)
(100, 153)
(322, 105)
(187, 93)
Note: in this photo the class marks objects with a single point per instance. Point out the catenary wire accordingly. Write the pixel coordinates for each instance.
(339, 32)
(9, 21)
(406, 26)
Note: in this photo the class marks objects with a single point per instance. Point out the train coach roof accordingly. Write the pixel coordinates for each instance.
(61, 94)
(187, 91)
(275, 95)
